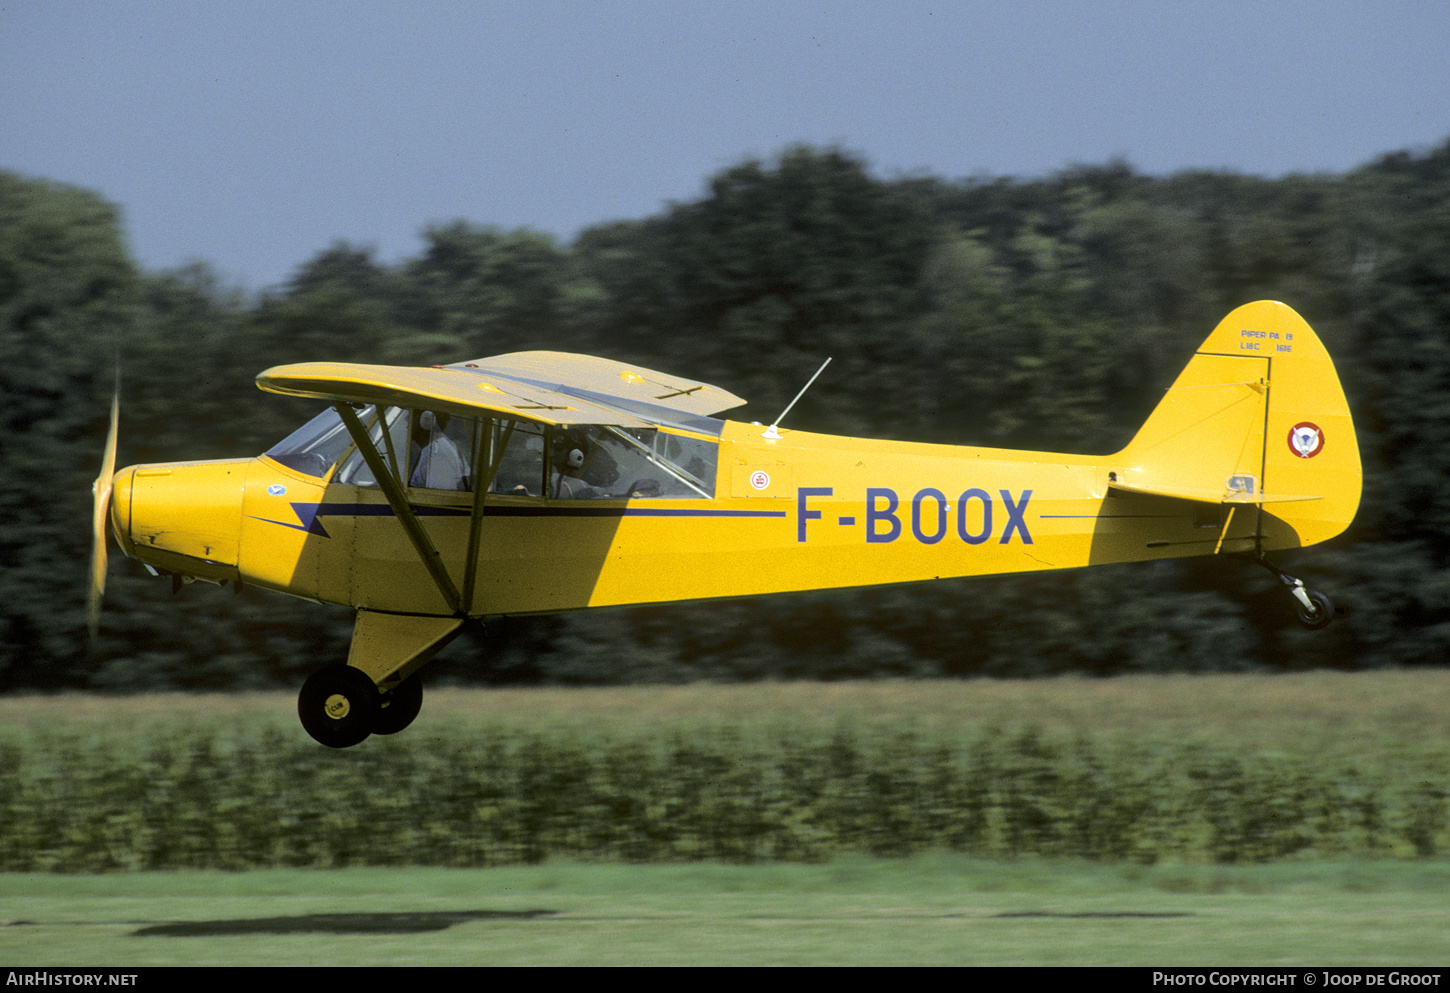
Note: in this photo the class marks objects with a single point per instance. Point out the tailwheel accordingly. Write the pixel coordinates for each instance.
(339, 705)
(1314, 609)
(399, 707)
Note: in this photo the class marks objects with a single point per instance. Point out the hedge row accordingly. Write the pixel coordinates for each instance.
(258, 795)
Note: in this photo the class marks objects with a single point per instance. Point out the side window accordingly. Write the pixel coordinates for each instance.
(441, 451)
(436, 448)
(602, 463)
(355, 470)
(693, 458)
(520, 456)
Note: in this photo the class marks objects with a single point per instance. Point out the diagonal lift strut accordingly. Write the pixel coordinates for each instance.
(432, 561)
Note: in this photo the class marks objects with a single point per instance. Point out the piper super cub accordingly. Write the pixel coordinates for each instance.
(542, 481)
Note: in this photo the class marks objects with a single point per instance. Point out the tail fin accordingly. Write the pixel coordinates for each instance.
(1257, 418)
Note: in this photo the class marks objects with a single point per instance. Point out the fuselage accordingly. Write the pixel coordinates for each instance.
(804, 511)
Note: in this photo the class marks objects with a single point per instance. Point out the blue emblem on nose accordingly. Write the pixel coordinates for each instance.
(276, 489)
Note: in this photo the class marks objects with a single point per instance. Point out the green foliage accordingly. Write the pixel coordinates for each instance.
(67, 305)
(244, 795)
(805, 257)
(483, 291)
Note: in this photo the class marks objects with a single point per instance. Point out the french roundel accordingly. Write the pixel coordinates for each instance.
(1306, 440)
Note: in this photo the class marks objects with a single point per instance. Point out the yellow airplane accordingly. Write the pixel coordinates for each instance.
(541, 481)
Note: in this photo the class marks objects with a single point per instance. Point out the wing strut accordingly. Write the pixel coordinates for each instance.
(492, 457)
(394, 492)
(1223, 534)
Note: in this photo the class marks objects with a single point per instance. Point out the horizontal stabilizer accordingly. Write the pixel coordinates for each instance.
(1224, 496)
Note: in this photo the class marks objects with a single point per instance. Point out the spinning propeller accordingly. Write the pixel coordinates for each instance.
(102, 491)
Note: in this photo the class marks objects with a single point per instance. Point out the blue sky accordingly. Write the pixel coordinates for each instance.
(253, 134)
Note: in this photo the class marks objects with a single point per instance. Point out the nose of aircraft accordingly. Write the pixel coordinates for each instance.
(120, 509)
(184, 517)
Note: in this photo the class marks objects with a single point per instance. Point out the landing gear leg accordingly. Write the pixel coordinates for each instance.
(1314, 609)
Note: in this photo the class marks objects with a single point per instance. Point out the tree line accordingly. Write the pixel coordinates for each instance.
(1044, 313)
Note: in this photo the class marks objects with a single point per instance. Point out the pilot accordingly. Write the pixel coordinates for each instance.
(439, 467)
(569, 486)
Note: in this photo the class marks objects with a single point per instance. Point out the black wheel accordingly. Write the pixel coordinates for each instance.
(1322, 613)
(338, 705)
(399, 707)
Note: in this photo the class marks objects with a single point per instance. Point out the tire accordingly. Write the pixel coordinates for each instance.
(1320, 616)
(339, 705)
(399, 707)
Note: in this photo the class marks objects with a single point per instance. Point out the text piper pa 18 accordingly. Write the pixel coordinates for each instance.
(540, 481)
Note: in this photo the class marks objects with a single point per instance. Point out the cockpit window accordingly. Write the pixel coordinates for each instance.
(315, 447)
(441, 455)
(602, 463)
(436, 448)
(518, 468)
(355, 470)
(519, 458)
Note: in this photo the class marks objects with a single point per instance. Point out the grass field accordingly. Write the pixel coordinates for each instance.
(1254, 711)
(930, 908)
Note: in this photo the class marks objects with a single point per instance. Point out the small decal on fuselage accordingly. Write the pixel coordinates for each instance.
(276, 489)
(760, 479)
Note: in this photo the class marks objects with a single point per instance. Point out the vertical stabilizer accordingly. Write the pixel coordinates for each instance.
(1257, 417)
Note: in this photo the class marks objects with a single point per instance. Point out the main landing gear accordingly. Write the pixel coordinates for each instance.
(340, 706)
(1314, 609)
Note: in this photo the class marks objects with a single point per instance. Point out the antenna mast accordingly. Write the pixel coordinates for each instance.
(771, 432)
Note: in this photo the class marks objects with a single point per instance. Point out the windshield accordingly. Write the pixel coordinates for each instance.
(315, 447)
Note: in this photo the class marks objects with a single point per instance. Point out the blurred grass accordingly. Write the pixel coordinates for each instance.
(1210, 769)
(1255, 710)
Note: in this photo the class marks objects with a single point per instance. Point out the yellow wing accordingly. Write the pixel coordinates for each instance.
(550, 387)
